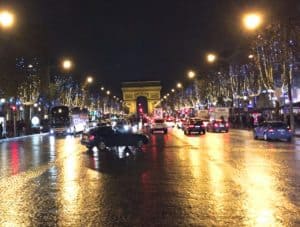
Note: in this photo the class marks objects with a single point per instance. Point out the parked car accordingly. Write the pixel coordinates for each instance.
(194, 125)
(105, 137)
(273, 130)
(217, 126)
(158, 125)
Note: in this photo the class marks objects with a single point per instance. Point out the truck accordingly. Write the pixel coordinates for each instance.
(218, 113)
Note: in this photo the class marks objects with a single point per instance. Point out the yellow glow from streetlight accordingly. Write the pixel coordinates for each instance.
(6, 19)
(251, 56)
(89, 79)
(102, 88)
(108, 92)
(211, 58)
(67, 64)
(191, 74)
(252, 21)
(179, 85)
(173, 90)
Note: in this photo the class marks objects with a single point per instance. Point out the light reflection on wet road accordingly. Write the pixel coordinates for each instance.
(178, 180)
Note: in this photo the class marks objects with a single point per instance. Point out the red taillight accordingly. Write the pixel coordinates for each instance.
(227, 125)
(91, 137)
(191, 126)
(216, 125)
(270, 130)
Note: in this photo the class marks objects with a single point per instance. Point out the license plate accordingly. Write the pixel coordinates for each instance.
(221, 125)
(197, 126)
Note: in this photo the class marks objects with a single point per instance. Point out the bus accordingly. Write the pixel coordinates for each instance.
(66, 121)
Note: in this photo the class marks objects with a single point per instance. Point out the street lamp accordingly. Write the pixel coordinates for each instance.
(191, 74)
(67, 64)
(108, 92)
(252, 21)
(173, 90)
(250, 56)
(89, 79)
(179, 85)
(211, 58)
(7, 19)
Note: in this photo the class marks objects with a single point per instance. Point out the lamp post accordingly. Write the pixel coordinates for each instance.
(7, 19)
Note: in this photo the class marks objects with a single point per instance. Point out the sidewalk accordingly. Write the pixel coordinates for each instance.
(21, 137)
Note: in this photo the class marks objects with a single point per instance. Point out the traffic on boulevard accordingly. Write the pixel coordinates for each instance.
(174, 179)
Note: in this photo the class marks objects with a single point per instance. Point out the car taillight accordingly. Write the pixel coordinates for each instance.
(216, 125)
(227, 125)
(91, 137)
(270, 130)
(191, 126)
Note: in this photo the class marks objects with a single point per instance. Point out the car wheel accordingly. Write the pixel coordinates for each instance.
(266, 137)
(255, 136)
(203, 132)
(101, 146)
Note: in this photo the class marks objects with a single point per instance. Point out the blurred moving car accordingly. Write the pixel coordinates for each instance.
(104, 137)
(217, 126)
(194, 125)
(122, 125)
(170, 122)
(273, 130)
(158, 125)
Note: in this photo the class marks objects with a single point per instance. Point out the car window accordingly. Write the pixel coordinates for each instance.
(278, 125)
(105, 131)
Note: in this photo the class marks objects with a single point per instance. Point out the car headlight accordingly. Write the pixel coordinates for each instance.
(126, 127)
(51, 131)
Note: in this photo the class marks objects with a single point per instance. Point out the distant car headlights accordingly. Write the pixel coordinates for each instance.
(126, 127)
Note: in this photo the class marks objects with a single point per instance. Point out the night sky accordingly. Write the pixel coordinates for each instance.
(118, 41)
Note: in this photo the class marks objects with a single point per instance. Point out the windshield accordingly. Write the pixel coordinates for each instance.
(160, 121)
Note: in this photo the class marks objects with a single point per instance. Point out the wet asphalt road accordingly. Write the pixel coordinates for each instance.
(225, 179)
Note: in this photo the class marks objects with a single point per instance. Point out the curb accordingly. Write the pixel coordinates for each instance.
(22, 137)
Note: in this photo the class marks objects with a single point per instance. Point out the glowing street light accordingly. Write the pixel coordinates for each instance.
(251, 56)
(67, 64)
(179, 85)
(102, 88)
(7, 19)
(108, 92)
(211, 58)
(89, 79)
(252, 21)
(173, 90)
(191, 74)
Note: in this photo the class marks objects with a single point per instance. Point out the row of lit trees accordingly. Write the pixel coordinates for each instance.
(269, 71)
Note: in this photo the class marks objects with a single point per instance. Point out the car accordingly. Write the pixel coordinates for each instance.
(273, 130)
(170, 122)
(122, 125)
(217, 126)
(180, 122)
(105, 137)
(194, 125)
(158, 125)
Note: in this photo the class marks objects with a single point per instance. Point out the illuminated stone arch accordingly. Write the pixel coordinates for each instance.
(148, 89)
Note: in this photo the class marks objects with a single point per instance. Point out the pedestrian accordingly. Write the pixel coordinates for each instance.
(1, 130)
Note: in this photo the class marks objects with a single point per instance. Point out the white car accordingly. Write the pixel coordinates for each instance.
(158, 125)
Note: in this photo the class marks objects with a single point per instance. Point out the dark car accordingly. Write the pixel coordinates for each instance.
(104, 137)
(217, 126)
(273, 130)
(194, 125)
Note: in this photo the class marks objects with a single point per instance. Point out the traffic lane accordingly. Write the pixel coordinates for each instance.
(179, 180)
(263, 176)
